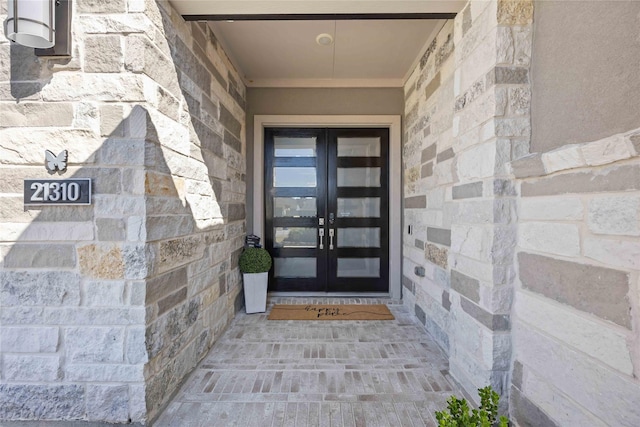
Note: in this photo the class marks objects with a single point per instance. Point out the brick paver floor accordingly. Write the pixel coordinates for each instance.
(316, 373)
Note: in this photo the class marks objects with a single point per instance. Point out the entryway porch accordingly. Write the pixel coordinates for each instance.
(317, 373)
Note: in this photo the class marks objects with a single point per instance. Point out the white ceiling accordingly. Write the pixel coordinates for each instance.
(365, 53)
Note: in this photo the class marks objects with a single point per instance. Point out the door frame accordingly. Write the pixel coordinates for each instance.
(393, 123)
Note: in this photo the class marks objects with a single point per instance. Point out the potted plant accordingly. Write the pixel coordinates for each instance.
(255, 264)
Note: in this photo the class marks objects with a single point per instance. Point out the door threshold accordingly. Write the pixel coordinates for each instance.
(332, 294)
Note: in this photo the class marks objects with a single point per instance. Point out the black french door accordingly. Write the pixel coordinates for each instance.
(326, 209)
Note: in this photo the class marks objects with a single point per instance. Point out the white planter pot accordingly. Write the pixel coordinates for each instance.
(255, 291)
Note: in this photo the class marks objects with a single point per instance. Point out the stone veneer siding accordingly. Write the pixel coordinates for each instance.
(105, 308)
(575, 334)
(530, 260)
(523, 266)
(576, 312)
(467, 117)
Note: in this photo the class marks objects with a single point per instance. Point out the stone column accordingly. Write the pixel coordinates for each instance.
(428, 161)
(491, 127)
(467, 117)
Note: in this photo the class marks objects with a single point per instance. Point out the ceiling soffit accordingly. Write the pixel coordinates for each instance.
(273, 43)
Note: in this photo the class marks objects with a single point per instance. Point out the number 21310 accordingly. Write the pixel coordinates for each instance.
(68, 191)
(55, 191)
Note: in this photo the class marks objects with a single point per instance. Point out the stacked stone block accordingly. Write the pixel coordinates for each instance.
(492, 127)
(428, 159)
(579, 267)
(523, 266)
(106, 308)
(194, 187)
(477, 103)
(576, 303)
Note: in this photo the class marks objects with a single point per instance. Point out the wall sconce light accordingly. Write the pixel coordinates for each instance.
(42, 24)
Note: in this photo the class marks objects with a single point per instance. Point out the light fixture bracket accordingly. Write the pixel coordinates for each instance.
(62, 45)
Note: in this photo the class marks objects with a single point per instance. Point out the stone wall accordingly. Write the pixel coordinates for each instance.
(576, 308)
(523, 266)
(428, 176)
(467, 117)
(195, 188)
(576, 311)
(105, 308)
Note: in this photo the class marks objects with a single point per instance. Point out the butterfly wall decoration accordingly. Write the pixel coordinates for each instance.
(53, 162)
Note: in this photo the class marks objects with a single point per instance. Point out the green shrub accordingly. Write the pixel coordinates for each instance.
(255, 260)
(459, 416)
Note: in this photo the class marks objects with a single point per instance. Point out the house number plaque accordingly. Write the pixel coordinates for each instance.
(57, 191)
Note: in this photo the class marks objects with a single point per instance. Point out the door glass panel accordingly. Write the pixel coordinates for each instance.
(358, 177)
(294, 146)
(294, 207)
(340, 173)
(358, 147)
(358, 267)
(294, 267)
(294, 177)
(295, 237)
(361, 207)
(358, 237)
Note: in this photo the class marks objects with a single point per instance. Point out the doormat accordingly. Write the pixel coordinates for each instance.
(330, 312)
